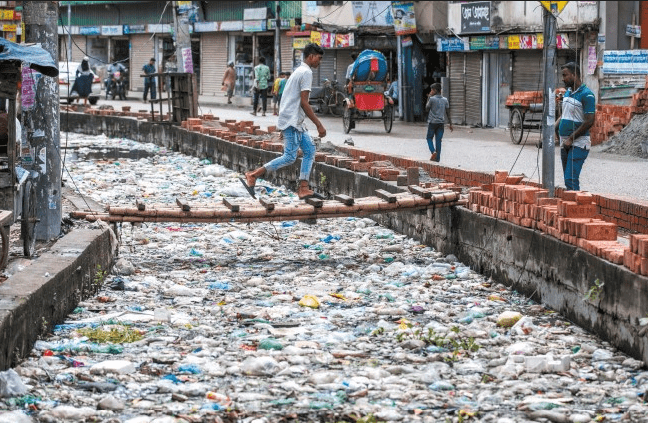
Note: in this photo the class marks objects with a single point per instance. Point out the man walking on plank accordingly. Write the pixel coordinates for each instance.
(292, 111)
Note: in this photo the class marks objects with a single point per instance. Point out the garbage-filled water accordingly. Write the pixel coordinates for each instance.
(342, 320)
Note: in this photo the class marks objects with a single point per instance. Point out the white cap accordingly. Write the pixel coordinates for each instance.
(86, 58)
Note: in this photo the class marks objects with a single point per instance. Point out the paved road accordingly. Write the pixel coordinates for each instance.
(468, 148)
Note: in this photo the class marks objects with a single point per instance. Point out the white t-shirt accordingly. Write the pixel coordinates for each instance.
(290, 111)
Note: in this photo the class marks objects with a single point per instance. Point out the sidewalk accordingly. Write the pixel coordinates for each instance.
(478, 149)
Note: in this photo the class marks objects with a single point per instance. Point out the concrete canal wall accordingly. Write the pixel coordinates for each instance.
(542, 267)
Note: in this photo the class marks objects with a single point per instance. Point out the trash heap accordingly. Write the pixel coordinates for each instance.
(342, 320)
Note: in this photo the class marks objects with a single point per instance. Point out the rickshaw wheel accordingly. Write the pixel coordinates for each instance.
(347, 119)
(4, 253)
(388, 117)
(28, 219)
(516, 129)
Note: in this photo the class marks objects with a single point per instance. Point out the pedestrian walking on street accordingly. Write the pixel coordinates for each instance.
(229, 79)
(149, 81)
(292, 111)
(83, 81)
(439, 109)
(572, 127)
(261, 77)
(275, 93)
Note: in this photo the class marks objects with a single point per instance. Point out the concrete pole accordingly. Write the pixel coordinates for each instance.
(549, 103)
(277, 40)
(42, 120)
(183, 38)
(69, 19)
(399, 61)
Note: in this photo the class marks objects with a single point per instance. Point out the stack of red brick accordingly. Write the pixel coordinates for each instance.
(524, 98)
(611, 119)
(636, 258)
(571, 219)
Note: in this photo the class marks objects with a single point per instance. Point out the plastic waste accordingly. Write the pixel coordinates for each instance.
(309, 300)
(11, 385)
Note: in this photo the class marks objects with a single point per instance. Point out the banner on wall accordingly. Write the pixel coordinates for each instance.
(475, 17)
(625, 62)
(404, 17)
(453, 44)
(300, 43)
(372, 13)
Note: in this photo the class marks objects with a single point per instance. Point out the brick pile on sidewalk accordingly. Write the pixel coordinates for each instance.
(611, 119)
(573, 218)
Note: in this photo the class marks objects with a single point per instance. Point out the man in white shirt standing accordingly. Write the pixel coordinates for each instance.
(292, 111)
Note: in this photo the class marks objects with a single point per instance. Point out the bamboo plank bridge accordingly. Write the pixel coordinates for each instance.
(261, 210)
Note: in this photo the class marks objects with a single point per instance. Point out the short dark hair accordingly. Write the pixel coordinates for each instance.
(572, 67)
(354, 56)
(436, 87)
(261, 59)
(313, 48)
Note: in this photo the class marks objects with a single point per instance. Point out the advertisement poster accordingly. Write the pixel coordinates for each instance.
(372, 13)
(514, 42)
(300, 43)
(316, 37)
(591, 60)
(344, 40)
(328, 40)
(187, 60)
(404, 17)
(453, 44)
(28, 88)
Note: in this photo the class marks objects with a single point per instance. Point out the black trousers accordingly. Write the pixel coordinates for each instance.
(264, 99)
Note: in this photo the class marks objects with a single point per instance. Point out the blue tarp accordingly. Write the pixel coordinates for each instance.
(362, 66)
(35, 56)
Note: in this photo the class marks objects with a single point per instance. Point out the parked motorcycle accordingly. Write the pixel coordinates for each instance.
(328, 98)
(116, 86)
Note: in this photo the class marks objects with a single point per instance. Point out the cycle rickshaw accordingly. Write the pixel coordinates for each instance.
(367, 92)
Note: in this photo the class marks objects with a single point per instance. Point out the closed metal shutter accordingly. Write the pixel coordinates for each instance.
(78, 48)
(527, 70)
(213, 50)
(325, 70)
(457, 95)
(473, 82)
(286, 52)
(140, 53)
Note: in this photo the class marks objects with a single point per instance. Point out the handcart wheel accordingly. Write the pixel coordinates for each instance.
(4, 254)
(28, 219)
(336, 104)
(516, 128)
(347, 119)
(388, 117)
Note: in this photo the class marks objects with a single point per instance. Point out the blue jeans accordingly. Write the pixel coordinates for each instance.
(435, 130)
(572, 163)
(151, 86)
(293, 140)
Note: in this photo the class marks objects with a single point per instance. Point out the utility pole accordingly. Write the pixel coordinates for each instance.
(277, 39)
(42, 120)
(549, 103)
(69, 50)
(183, 40)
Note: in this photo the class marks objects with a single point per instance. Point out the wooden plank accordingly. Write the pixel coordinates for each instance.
(183, 204)
(235, 208)
(348, 201)
(414, 189)
(268, 204)
(387, 196)
(140, 204)
(315, 202)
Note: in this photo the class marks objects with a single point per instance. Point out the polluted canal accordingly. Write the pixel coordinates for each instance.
(340, 320)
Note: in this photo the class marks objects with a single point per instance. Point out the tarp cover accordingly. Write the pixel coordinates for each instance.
(35, 56)
(362, 66)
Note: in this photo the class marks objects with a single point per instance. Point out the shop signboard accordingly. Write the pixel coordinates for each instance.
(453, 44)
(485, 42)
(206, 26)
(9, 27)
(256, 14)
(7, 15)
(231, 26)
(112, 30)
(633, 31)
(158, 28)
(475, 17)
(254, 26)
(404, 17)
(90, 30)
(372, 13)
(285, 23)
(344, 40)
(134, 29)
(300, 43)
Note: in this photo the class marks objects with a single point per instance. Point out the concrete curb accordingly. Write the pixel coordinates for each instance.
(44, 293)
(546, 269)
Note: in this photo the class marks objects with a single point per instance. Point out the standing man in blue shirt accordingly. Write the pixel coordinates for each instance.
(578, 109)
(149, 81)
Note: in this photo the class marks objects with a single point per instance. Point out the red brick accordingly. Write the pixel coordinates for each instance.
(600, 231)
(569, 195)
(500, 176)
(513, 180)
